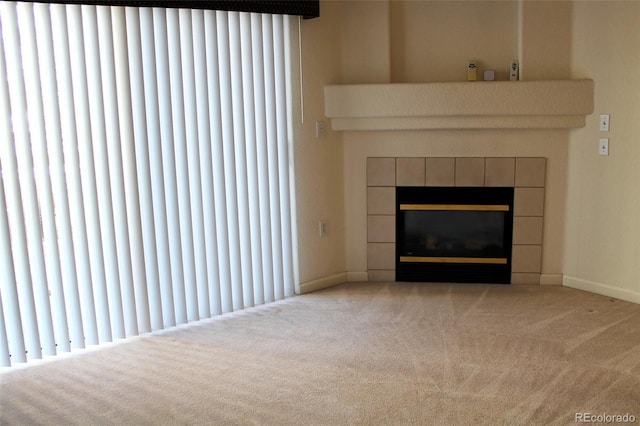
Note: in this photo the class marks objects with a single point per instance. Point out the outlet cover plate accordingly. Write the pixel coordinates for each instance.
(603, 146)
(604, 122)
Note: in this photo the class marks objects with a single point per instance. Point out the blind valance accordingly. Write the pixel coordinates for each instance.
(304, 8)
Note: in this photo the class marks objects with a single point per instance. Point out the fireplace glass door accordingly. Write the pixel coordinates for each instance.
(454, 234)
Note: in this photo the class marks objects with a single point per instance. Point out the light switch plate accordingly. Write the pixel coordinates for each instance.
(604, 122)
(603, 146)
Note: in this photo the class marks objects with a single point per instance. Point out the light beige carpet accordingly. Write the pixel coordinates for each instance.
(358, 354)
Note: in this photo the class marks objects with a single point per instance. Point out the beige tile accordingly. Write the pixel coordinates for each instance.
(441, 171)
(499, 171)
(381, 229)
(410, 172)
(530, 172)
(381, 200)
(381, 256)
(528, 202)
(469, 172)
(527, 230)
(381, 171)
(525, 278)
(526, 259)
(387, 276)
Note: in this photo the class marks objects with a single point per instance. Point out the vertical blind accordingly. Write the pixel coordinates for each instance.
(145, 171)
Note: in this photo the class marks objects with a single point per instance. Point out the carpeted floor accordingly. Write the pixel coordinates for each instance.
(364, 353)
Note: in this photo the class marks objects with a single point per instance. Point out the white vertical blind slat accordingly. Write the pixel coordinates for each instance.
(289, 22)
(228, 143)
(277, 292)
(99, 103)
(217, 152)
(208, 290)
(191, 194)
(8, 285)
(121, 289)
(168, 162)
(8, 288)
(42, 175)
(81, 70)
(54, 146)
(87, 168)
(14, 338)
(149, 66)
(283, 152)
(16, 242)
(183, 294)
(261, 156)
(73, 187)
(137, 309)
(20, 306)
(142, 158)
(253, 195)
(34, 284)
(5, 355)
(240, 156)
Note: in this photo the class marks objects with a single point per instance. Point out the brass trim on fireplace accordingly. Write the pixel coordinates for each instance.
(458, 207)
(486, 260)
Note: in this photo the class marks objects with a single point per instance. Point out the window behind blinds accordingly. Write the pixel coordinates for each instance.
(146, 172)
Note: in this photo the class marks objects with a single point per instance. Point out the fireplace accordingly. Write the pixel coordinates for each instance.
(525, 176)
(454, 234)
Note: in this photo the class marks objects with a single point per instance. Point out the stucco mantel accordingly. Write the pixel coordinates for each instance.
(560, 104)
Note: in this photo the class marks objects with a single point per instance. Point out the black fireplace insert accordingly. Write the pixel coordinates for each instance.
(454, 234)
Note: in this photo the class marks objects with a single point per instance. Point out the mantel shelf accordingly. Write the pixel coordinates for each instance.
(558, 104)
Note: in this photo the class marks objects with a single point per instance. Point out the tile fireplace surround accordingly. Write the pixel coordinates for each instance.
(525, 174)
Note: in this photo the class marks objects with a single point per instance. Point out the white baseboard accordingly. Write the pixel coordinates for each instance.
(551, 279)
(357, 277)
(321, 283)
(599, 288)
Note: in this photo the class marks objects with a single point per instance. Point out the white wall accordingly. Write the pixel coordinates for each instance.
(432, 41)
(603, 211)
(594, 239)
(319, 174)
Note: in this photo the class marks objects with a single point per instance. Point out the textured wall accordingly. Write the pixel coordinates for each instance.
(603, 225)
(319, 178)
(431, 41)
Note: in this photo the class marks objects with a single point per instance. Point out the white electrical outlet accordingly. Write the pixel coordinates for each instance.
(603, 146)
(322, 228)
(604, 122)
(320, 129)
